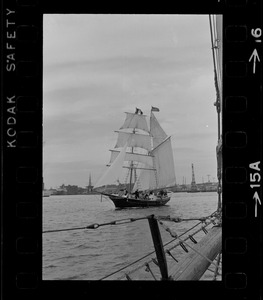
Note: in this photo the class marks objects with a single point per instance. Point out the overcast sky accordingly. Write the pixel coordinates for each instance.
(96, 67)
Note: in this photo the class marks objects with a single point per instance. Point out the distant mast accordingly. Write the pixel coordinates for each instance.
(193, 176)
(193, 183)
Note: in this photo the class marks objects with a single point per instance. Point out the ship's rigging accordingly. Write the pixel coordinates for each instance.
(215, 22)
(142, 157)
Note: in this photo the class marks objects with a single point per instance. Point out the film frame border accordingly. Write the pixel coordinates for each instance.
(22, 163)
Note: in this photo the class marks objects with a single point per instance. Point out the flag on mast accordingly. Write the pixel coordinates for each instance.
(138, 111)
(155, 109)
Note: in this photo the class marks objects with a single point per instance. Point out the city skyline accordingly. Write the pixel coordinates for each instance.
(96, 67)
(205, 179)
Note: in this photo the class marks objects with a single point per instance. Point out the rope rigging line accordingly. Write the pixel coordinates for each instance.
(119, 222)
(129, 220)
(148, 269)
(96, 225)
(166, 251)
(187, 238)
(217, 79)
(177, 219)
(199, 253)
(214, 214)
(183, 244)
(216, 272)
(125, 267)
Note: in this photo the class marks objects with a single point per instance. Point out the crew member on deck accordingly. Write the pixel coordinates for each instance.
(161, 193)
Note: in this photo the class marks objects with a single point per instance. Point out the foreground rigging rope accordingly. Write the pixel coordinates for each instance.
(166, 251)
(127, 220)
(96, 225)
(214, 214)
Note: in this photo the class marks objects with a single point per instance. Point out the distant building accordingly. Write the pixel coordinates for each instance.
(62, 190)
(208, 186)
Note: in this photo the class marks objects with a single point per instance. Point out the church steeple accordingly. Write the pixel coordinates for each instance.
(90, 186)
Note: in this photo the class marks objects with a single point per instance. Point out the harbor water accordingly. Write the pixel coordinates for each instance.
(91, 254)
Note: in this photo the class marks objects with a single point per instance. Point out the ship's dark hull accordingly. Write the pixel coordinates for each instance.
(122, 202)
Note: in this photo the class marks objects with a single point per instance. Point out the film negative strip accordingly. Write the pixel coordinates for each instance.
(22, 158)
(242, 153)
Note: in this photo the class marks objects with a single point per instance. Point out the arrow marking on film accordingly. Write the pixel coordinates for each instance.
(257, 201)
(255, 57)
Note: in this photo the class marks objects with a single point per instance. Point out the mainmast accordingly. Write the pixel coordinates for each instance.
(162, 173)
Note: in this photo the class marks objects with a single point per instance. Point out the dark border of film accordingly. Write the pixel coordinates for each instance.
(22, 201)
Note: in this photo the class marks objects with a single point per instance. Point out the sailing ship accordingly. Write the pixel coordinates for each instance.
(141, 164)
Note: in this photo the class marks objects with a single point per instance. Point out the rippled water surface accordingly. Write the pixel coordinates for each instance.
(91, 254)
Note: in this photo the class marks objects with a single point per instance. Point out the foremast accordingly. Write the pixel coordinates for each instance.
(135, 134)
(132, 167)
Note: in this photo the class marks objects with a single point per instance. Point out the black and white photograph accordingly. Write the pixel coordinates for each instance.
(132, 147)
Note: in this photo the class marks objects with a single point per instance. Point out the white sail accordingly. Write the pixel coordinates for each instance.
(133, 140)
(164, 174)
(142, 158)
(147, 157)
(156, 131)
(164, 164)
(146, 181)
(112, 175)
(135, 121)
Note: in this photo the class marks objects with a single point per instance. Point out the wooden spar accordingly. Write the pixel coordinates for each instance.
(194, 265)
(158, 245)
